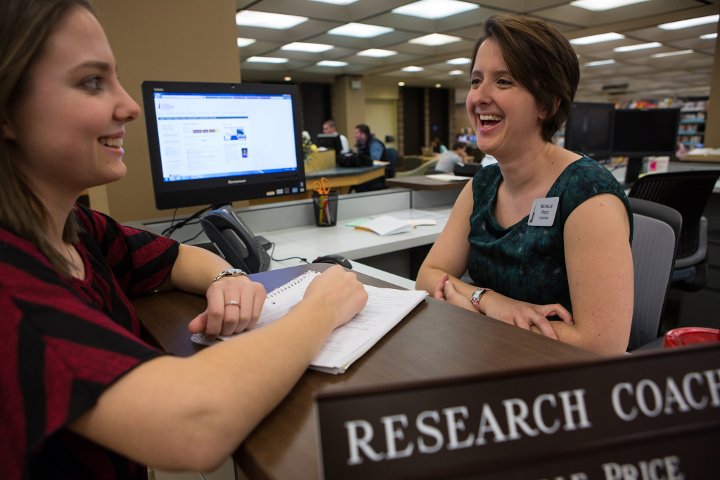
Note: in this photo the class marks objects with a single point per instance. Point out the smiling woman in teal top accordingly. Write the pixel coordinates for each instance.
(565, 269)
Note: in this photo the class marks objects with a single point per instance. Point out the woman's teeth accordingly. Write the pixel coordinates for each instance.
(112, 142)
(489, 120)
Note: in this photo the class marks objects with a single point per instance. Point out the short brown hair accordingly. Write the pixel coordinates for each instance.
(541, 59)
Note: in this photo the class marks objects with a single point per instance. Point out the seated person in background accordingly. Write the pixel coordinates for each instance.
(450, 158)
(524, 75)
(330, 129)
(367, 144)
(83, 394)
(437, 146)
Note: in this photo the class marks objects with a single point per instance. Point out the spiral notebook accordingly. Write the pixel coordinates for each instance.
(385, 308)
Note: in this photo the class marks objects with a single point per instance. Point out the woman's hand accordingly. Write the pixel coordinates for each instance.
(523, 314)
(446, 292)
(338, 292)
(246, 300)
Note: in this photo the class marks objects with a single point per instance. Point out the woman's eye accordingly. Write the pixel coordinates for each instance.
(92, 83)
(504, 82)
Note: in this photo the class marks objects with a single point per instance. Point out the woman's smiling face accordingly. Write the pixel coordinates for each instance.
(65, 134)
(504, 114)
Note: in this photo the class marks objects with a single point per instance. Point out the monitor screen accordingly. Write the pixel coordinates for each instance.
(642, 133)
(216, 143)
(588, 129)
(331, 141)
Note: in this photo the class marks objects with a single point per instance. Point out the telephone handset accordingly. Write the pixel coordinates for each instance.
(234, 240)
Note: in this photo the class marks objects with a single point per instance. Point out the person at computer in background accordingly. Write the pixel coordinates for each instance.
(330, 129)
(81, 392)
(448, 160)
(367, 144)
(524, 75)
(437, 146)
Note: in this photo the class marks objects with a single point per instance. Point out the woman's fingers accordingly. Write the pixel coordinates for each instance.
(440, 288)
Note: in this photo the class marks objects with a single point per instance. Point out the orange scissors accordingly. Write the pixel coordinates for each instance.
(320, 187)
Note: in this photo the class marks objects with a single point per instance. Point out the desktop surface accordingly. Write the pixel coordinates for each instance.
(436, 340)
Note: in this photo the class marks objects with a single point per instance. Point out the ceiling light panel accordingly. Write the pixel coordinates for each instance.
(456, 72)
(336, 2)
(599, 62)
(377, 53)
(435, 40)
(693, 22)
(266, 60)
(709, 36)
(412, 69)
(360, 30)
(604, 37)
(671, 54)
(434, 9)
(276, 21)
(244, 42)
(642, 46)
(331, 63)
(458, 61)
(307, 47)
(602, 5)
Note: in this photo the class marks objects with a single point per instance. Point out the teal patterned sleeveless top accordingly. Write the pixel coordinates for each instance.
(528, 263)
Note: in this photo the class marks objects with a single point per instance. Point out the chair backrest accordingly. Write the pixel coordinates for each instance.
(686, 192)
(390, 155)
(653, 251)
(421, 170)
(411, 163)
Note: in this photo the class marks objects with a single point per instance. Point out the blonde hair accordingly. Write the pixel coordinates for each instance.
(25, 26)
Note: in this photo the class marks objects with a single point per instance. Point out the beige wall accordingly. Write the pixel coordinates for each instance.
(712, 125)
(348, 104)
(461, 119)
(381, 117)
(161, 40)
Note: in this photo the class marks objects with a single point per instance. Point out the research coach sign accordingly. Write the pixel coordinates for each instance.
(647, 417)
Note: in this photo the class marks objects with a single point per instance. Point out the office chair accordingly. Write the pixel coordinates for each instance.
(389, 155)
(411, 163)
(656, 236)
(421, 170)
(688, 193)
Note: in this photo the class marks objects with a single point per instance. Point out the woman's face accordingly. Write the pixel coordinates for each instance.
(504, 114)
(65, 135)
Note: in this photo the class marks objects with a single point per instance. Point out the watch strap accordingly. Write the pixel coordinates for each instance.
(477, 295)
(230, 272)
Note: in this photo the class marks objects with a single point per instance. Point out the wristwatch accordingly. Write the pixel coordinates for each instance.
(230, 272)
(477, 295)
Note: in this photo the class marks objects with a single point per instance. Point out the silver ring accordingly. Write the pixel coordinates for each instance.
(232, 303)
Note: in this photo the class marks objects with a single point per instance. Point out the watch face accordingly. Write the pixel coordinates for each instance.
(234, 271)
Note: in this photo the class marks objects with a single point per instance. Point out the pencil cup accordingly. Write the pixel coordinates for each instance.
(325, 208)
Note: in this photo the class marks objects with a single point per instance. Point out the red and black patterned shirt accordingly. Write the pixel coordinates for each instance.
(63, 342)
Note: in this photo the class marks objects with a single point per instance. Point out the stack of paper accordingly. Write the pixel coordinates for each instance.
(446, 177)
(386, 225)
(385, 308)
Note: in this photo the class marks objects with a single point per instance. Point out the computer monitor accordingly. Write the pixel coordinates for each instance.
(216, 143)
(589, 128)
(331, 141)
(642, 133)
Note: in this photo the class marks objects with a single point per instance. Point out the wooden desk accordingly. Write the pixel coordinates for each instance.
(436, 340)
(421, 182)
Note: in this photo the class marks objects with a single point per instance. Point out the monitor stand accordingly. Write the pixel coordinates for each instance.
(632, 172)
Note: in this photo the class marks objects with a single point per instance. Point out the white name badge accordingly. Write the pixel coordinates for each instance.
(542, 213)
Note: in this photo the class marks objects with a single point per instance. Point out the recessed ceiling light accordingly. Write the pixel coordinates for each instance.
(693, 22)
(277, 21)
(435, 39)
(456, 72)
(287, 79)
(360, 30)
(599, 62)
(459, 61)
(331, 63)
(336, 2)
(601, 5)
(377, 52)
(642, 46)
(603, 37)
(437, 85)
(412, 69)
(401, 84)
(708, 36)
(671, 54)
(307, 47)
(434, 9)
(266, 60)
(244, 42)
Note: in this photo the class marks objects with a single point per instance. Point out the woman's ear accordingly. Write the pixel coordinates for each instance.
(556, 105)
